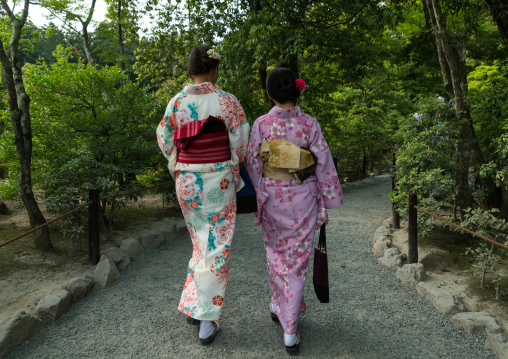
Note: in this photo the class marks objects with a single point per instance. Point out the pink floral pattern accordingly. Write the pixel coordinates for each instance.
(290, 212)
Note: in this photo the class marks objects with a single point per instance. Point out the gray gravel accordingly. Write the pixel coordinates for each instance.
(371, 314)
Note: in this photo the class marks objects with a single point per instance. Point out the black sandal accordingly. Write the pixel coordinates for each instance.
(192, 321)
(274, 316)
(209, 340)
(293, 349)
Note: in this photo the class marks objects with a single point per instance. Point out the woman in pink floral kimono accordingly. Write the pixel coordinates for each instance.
(291, 203)
(204, 135)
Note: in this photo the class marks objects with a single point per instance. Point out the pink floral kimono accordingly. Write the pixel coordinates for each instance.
(206, 193)
(289, 211)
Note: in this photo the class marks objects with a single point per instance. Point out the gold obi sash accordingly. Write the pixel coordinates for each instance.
(285, 160)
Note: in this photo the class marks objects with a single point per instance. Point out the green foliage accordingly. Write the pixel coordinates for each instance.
(488, 257)
(426, 160)
(488, 91)
(92, 129)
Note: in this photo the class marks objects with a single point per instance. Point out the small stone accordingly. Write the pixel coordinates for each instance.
(121, 258)
(105, 272)
(51, 307)
(411, 273)
(79, 287)
(181, 227)
(133, 249)
(16, 330)
(152, 241)
(498, 343)
(475, 322)
(391, 258)
(380, 232)
(381, 245)
(444, 301)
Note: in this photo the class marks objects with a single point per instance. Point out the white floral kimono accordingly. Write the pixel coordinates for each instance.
(206, 193)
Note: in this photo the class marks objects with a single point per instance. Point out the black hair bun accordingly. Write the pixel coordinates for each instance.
(199, 61)
(281, 85)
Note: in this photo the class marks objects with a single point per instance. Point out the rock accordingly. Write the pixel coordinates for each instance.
(169, 223)
(152, 241)
(411, 274)
(475, 322)
(498, 343)
(181, 227)
(79, 287)
(51, 307)
(168, 235)
(380, 232)
(133, 249)
(381, 245)
(391, 258)
(387, 222)
(16, 330)
(105, 272)
(121, 258)
(3, 209)
(444, 301)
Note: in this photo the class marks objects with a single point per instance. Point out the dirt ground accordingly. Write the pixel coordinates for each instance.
(28, 275)
(443, 255)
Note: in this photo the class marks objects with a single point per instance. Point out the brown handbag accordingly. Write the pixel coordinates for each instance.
(320, 275)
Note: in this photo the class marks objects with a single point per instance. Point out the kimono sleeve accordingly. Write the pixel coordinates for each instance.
(239, 128)
(254, 162)
(327, 178)
(165, 137)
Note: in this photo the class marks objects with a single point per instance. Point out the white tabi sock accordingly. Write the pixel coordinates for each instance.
(290, 339)
(205, 329)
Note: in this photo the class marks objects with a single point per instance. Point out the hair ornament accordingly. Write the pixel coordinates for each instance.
(211, 53)
(300, 84)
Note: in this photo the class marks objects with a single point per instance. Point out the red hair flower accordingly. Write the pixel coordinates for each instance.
(300, 84)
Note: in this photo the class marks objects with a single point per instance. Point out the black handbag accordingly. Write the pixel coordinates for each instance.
(320, 275)
(246, 201)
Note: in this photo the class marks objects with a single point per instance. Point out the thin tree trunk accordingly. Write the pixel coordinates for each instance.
(86, 38)
(262, 78)
(453, 70)
(120, 33)
(19, 106)
(499, 12)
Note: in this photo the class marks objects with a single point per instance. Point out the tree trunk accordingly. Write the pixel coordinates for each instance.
(453, 69)
(499, 11)
(120, 33)
(19, 106)
(262, 78)
(86, 39)
(86, 45)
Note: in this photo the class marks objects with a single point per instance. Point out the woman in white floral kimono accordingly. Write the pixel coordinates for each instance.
(204, 135)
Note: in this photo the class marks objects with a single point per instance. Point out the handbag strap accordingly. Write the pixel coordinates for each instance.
(322, 238)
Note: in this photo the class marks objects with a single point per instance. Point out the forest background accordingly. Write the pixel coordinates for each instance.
(424, 79)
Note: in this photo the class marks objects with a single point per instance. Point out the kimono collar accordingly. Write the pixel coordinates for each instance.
(284, 114)
(200, 89)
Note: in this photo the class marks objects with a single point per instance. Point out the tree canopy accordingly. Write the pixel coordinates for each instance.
(425, 79)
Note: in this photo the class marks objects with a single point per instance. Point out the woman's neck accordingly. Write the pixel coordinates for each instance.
(210, 76)
(199, 79)
(287, 105)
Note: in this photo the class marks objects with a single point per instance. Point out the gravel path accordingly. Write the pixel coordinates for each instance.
(371, 314)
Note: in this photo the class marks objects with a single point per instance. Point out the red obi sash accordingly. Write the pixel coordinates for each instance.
(197, 145)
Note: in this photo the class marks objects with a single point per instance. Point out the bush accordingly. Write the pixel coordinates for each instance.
(93, 128)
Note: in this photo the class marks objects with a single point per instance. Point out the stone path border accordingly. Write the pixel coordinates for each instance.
(449, 301)
(20, 327)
